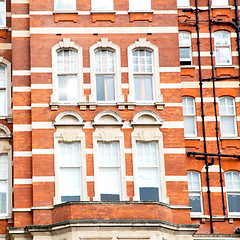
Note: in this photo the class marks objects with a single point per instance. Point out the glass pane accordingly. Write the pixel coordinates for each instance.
(148, 177)
(3, 14)
(149, 194)
(189, 126)
(70, 182)
(3, 166)
(228, 125)
(233, 202)
(184, 39)
(67, 61)
(109, 181)
(69, 154)
(193, 181)
(102, 5)
(2, 76)
(142, 61)
(147, 154)
(143, 88)
(108, 154)
(223, 56)
(68, 88)
(219, 2)
(3, 196)
(195, 202)
(185, 53)
(140, 5)
(183, 3)
(105, 88)
(65, 4)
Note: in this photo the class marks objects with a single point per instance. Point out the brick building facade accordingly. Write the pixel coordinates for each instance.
(119, 119)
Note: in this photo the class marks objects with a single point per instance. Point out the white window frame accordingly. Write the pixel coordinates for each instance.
(134, 5)
(6, 149)
(231, 191)
(148, 131)
(222, 47)
(66, 44)
(8, 109)
(63, 10)
(107, 129)
(218, 3)
(107, 9)
(199, 192)
(4, 11)
(183, 3)
(143, 44)
(69, 132)
(104, 44)
(228, 115)
(193, 116)
(186, 46)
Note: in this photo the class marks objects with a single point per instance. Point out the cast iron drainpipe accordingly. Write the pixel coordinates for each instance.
(203, 120)
(215, 108)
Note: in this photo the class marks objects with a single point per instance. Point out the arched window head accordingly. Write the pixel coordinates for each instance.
(67, 75)
(185, 48)
(222, 41)
(232, 179)
(194, 192)
(189, 117)
(227, 113)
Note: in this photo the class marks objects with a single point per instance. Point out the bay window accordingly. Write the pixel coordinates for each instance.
(70, 171)
(109, 171)
(148, 171)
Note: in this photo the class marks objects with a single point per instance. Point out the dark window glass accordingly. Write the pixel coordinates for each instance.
(70, 198)
(110, 197)
(195, 202)
(149, 194)
(234, 202)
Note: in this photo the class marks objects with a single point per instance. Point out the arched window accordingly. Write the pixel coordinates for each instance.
(67, 73)
(232, 179)
(189, 117)
(185, 48)
(3, 90)
(105, 72)
(194, 192)
(65, 5)
(227, 113)
(222, 41)
(105, 69)
(144, 79)
(219, 3)
(3, 13)
(139, 5)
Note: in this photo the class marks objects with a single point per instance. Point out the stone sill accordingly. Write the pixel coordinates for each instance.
(140, 11)
(103, 12)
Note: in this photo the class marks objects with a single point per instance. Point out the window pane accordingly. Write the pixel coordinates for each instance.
(195, 202)
(3, 166)
(2, 102)
(193, 181)
(69, 154)
(223, 56)
(102, 5)
(143, 88)
(2, 76)
(70, 187)
(108, 154)
(3, 196)
(140, 5)
(189, 125)
(185, 54)
(65, 5)
(184, 39)
(67, 88)
(228, 125)
(183, 3)
(142, 61)
(67, 61)
(2, 14)
(147, 154)
(149, 194)
(233, 202)
(219, 2)
(109, 184)
(105, 88)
